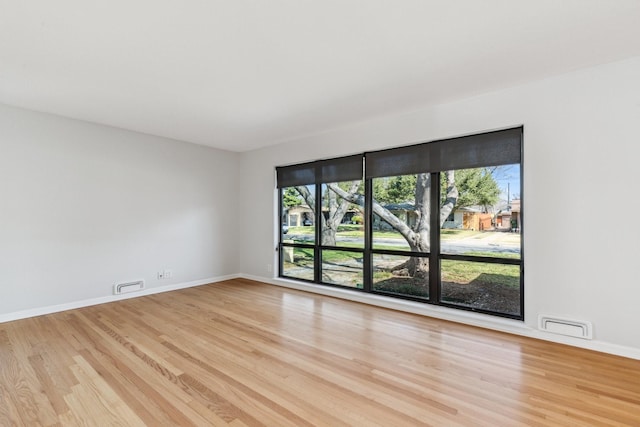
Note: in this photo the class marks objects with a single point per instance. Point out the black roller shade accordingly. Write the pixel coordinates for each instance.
(290, 176)
(331, 170)
(486, 149)
(342, 169)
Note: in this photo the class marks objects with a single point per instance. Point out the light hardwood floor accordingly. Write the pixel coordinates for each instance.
(244, 353)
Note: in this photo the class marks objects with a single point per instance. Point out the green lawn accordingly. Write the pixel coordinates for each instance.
(452, 271)
(465, 272)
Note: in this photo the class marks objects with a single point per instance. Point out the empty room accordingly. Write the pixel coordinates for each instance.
(319, 213)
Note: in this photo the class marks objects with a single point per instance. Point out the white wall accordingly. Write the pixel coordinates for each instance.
(580, 174)
(84, 206)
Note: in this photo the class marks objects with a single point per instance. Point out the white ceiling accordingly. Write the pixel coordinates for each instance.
(243, 74)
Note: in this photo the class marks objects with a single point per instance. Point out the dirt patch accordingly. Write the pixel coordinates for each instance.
(484, 296)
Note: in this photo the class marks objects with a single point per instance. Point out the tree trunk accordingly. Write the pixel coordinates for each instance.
(328, 236)
(418, 236)
(336, 209)
(418, 268)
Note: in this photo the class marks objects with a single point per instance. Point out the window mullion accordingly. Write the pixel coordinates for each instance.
(280, 238)
(368, 233)
(317, 274)
(434, 235)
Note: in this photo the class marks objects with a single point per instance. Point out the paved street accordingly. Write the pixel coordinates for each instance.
(489, 241)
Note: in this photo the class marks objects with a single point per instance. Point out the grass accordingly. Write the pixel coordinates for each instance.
(452, 271)
(494, 254)
(338, 257)
(351, 229)
(302, 230)
(381, 275)
(302, 256)
(305, 255)
(465, 272)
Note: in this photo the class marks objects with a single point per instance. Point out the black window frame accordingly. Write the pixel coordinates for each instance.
(495, 148)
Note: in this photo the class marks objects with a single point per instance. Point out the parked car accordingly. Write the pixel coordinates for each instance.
(285, 228)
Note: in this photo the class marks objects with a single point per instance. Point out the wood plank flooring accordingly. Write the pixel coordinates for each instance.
(242, 353)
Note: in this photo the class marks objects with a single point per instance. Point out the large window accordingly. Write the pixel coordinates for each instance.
(439, 222)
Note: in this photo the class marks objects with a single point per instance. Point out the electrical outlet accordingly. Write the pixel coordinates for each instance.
(165, 274)
(269, 268)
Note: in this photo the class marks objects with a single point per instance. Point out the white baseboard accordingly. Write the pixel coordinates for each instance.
(110, 298)
(466, 317)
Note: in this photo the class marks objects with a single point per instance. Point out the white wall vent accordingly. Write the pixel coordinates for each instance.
(569, 327)
(123, 288)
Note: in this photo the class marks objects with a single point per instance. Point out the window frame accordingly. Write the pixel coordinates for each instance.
(479, 150)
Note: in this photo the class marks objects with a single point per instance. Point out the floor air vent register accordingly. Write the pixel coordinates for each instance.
(124, 288)
(562, 326)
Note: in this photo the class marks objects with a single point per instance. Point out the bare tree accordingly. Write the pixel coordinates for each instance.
(337, 206)
(417, 236)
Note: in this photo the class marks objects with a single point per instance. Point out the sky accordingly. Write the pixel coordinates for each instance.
(508, 179)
